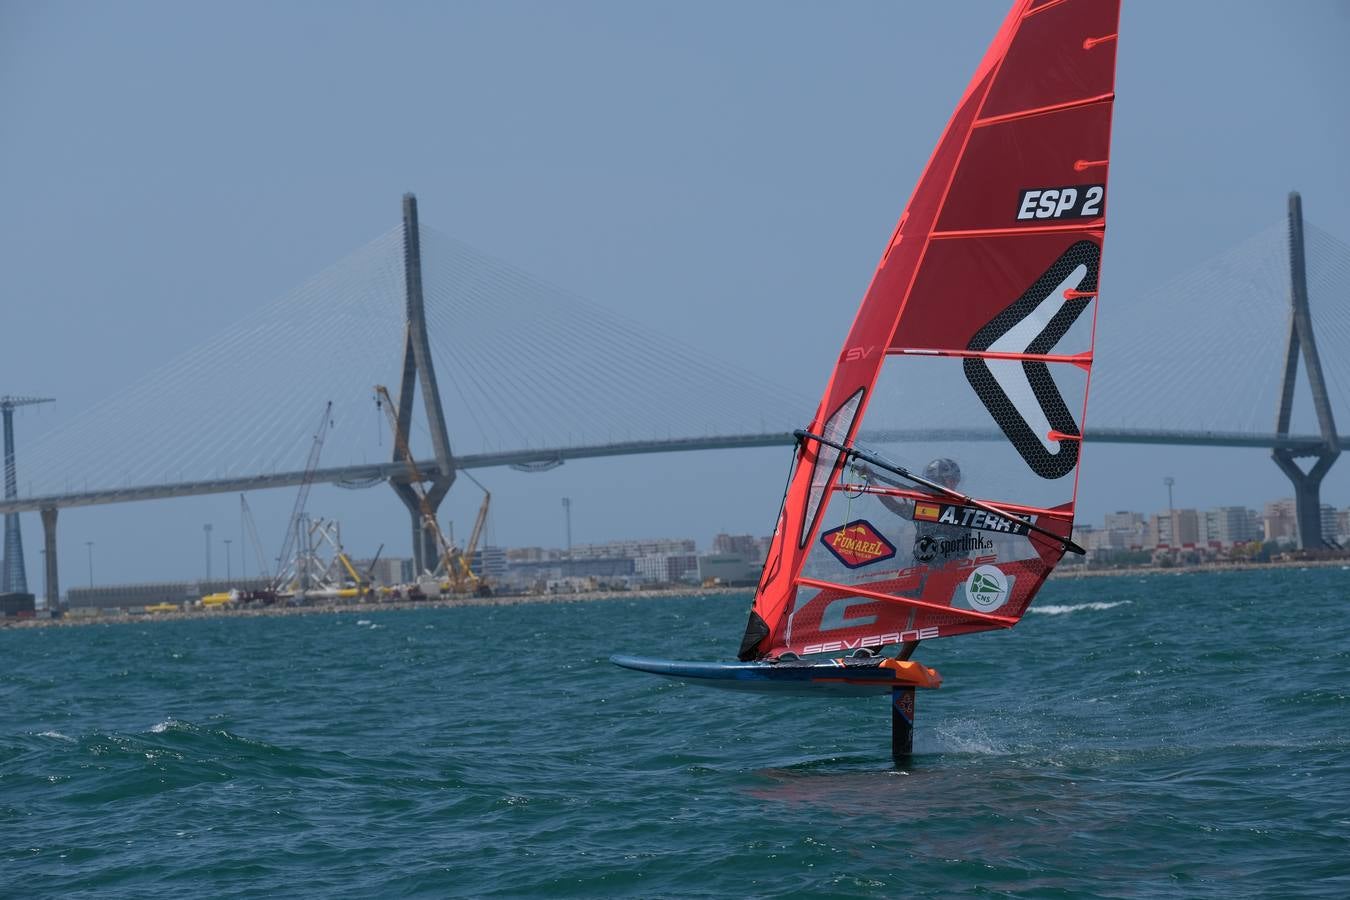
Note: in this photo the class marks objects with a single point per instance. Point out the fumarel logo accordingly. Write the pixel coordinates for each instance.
(857, 544)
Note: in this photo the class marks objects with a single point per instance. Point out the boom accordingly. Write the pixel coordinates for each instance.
(298, 511)
(246, 513)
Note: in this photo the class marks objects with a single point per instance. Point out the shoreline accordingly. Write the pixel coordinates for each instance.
(117, 618)
(1074, 574)
(1060, 574)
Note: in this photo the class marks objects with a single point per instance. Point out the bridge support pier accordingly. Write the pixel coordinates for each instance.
(418, 370)
(1307, 485)
(425, 552)
(53, 589)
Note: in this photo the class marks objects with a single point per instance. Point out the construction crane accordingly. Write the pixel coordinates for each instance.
(286, 569)
(329, 573)
(467, 580)
(246, 515)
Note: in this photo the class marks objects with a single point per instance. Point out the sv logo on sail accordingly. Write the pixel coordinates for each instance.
(1061, 202)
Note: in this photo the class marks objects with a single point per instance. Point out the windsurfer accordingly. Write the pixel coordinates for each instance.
(930, 538)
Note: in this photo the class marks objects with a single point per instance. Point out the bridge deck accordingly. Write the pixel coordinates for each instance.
(1298, 444)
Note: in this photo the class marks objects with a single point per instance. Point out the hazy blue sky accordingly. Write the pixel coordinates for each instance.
(713, 170)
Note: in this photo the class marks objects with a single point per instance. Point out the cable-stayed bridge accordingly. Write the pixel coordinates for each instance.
(521, 373)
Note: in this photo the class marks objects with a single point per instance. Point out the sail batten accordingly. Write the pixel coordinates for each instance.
(1083, 360)
(1043, 110)
(981, 314)
(1095, 228)
(854, 590)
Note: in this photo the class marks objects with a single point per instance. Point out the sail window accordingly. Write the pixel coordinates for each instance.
(837, 429)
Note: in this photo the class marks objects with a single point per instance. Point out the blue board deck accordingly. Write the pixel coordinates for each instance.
(848, 677)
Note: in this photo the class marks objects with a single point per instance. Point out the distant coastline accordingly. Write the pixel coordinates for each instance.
(1077, 572)
(1060, 574)
(109, 618)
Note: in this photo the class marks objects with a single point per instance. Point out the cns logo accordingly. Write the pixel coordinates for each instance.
(987, 588)
(857, 544)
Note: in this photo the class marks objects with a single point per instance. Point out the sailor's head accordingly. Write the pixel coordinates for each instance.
(944, 471)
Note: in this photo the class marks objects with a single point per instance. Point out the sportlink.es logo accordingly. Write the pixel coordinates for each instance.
(928, 548)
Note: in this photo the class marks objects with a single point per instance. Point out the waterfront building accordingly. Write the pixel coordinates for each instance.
(386, 570)
(531, 554)
(1343, 526)
(633, 548)
(743, 545)
(665, 568)
(1125, 520)
(1279, 521)
(727, 568)
(1128, 530)
(682, 566)
(1229, 525)
(602, 567)
(17, 604)
(1159, 530)
(1174, 529)
(489, 563)
(650, 568)
(1328, 516)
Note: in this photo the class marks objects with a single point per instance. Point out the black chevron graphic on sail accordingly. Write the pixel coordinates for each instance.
(1038, 321)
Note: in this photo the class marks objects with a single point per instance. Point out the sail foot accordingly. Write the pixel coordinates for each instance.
(756, 630)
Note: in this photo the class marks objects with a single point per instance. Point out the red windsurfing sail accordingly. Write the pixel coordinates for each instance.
(967, 364)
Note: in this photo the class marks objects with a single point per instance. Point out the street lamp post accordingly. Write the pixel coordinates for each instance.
(227, 559)
(207, 530)
(567, 514)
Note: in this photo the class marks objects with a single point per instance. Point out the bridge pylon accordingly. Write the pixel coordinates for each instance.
(1307, 484)
(418, 370)
(13, 575)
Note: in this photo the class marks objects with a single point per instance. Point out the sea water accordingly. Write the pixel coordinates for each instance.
(1167, 735)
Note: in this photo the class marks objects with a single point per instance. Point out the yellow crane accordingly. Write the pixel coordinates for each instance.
(468, 581)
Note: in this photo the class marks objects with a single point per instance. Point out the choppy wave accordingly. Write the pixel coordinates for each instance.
(1053, 609)
(494, 750)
